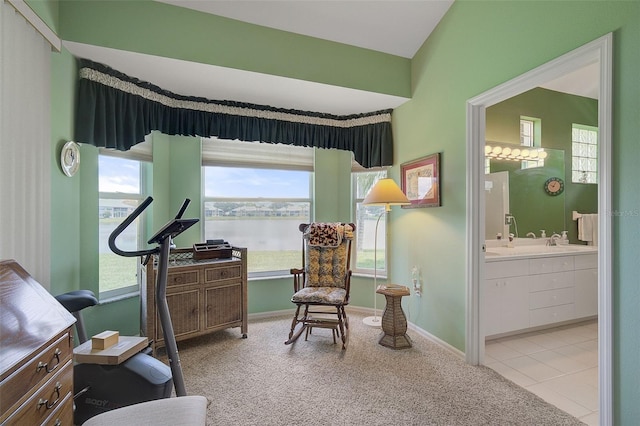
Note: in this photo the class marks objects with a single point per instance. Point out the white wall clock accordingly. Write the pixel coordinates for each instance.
(70, 158)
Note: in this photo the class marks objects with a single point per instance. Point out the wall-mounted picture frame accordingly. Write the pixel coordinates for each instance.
(420, 181)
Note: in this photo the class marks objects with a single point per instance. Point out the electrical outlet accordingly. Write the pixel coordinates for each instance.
(507, 219)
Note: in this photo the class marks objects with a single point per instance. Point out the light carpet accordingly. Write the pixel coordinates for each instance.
(261, 381)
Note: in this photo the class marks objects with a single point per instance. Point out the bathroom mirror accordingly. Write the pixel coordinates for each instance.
(518, 188)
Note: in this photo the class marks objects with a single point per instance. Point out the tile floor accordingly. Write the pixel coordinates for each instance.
(560, 365)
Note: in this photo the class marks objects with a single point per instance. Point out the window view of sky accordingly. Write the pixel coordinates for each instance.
(119, 175)
(123, 176)
(231, 182)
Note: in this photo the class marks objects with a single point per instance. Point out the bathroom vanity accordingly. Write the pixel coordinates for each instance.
(533, 286)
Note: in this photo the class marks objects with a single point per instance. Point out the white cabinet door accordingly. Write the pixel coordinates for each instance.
(506, 305)
(586, 292)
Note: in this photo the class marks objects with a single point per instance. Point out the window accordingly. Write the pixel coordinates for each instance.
(366, 218)
(255, 196)
(584, 154)
(530, 135)
(121, 187)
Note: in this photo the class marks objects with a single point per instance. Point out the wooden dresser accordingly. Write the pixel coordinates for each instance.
(36, 352)
(203, 295)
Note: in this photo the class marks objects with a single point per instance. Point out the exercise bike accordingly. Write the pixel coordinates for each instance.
(100, 388)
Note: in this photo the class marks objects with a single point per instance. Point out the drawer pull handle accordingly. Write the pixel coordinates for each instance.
(57, 423)
(45, 365)
(45, 402)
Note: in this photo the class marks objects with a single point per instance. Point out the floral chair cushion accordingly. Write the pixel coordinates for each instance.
(326, 266)
(322, 295)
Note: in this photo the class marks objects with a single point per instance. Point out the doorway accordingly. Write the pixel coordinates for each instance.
(599, 51)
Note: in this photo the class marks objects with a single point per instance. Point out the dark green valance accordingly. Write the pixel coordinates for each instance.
(118, 111)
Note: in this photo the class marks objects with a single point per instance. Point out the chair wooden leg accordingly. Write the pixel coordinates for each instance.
(297, 325)
(342, 322)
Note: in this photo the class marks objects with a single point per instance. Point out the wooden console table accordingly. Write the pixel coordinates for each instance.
(204, 296)
(394, 322)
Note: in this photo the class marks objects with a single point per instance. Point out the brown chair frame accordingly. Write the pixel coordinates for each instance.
(306, 321)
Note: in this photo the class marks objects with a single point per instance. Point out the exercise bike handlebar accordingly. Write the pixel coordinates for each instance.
(125, 223)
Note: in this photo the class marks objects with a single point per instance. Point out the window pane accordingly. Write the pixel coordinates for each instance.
(259, 209)
(115, 271)
(584, 149)
(269, 231)
(366, 227)
(233, 182)
(118, 175)
(119, 181)
(366, 217)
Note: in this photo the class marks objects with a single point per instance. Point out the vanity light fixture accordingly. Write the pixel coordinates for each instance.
(515, 154)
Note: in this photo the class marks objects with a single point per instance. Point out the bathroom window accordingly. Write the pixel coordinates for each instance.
(584, 154)
(530, 135)
(121, 183)
(366, 217)
(527, 132)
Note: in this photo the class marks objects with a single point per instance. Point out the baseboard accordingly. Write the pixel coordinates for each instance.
(436, 340)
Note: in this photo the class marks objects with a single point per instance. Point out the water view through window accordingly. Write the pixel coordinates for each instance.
(259, 209)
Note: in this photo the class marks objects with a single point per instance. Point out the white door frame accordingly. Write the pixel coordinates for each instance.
(600, 50)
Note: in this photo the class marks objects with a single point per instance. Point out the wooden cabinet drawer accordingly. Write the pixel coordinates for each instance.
(551, 281)
(222, 273)
(543, 299)
(182, 278)
(63, 415)
(53, 394)
(38, 370)
(550, 315)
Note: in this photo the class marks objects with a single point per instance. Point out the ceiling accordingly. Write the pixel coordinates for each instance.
(397, 27)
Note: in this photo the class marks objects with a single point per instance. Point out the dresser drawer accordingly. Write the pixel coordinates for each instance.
(222, 273)
(550, 315)
(545, 265)
(46, 400)
(38, 370)
(543, 299)
(506, 268)
(182, 278)
(551, 281)
(586, 261)
(63, 414)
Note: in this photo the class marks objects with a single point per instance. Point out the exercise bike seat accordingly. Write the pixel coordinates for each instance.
(77, 300)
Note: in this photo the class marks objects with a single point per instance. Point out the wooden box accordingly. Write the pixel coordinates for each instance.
(104, 340)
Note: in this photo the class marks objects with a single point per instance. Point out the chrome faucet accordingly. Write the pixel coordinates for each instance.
(553, 241)
(532, 235)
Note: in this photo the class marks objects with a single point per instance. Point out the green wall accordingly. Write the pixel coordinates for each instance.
(165, 30)
(478, 45)
(532, 207)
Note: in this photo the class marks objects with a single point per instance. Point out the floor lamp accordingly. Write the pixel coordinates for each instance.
(384, 193)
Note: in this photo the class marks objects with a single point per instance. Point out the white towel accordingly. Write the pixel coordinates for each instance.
(588, 229)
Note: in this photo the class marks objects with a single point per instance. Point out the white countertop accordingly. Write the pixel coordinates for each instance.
(494, 253)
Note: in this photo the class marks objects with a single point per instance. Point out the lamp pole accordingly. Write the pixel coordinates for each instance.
(375, 320)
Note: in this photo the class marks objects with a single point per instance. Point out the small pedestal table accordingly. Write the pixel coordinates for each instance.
(394, 322)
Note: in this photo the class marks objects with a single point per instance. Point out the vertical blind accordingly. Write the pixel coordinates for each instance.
(25, 145)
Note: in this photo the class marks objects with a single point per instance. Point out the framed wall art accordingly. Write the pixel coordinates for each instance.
(420, 180)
